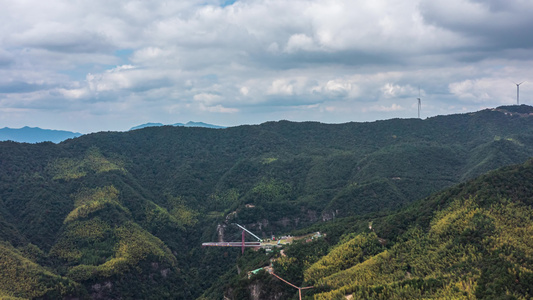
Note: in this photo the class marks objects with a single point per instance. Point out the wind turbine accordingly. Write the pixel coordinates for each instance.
(419, 102)
(518, 92)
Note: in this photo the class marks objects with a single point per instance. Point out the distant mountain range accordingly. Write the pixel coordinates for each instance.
(35, 135)
(188, 124)
(38, 135)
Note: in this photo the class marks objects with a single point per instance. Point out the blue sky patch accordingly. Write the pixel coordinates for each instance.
(227, 3)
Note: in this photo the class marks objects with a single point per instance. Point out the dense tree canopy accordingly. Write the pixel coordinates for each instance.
(124, 214)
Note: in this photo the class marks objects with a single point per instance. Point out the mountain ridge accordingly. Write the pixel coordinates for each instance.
(34, 135)
(123, 214)
(188, 124)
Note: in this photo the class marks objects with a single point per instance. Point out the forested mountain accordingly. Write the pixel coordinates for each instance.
(123, 214)
(471, 241)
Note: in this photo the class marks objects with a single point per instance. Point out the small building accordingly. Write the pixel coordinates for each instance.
(251, 273)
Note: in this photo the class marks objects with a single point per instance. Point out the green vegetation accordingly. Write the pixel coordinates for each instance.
(23, 278)
(123, 215)
(477, 244)
(344, 256)
(94, 161)
(133, 245)
(89, 201)
(183, 215)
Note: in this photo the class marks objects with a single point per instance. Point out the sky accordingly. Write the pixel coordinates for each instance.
(89, 66)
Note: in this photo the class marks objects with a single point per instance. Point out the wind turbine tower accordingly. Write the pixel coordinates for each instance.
(419, 102)
(518, 92)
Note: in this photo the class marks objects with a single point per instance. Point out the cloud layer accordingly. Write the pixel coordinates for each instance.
(100, 65)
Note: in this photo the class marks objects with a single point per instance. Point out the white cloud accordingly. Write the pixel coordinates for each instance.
(484, 90)
(383, 108)
(148, 55)
(219, 109)
(208, 99)
(108, 81)
(299, 42)
(244, 91)
(73, 93)
(281, 87)
(261, 60)
(391, 90)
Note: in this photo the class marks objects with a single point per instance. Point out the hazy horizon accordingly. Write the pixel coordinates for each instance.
(100, 65)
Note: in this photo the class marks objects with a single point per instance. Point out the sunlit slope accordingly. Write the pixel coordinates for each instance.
(103, 240)
(478, 244)
(23, 278)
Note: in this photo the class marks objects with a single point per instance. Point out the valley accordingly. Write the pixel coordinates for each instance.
(406, 208)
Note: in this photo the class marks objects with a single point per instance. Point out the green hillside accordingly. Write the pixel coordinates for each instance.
(123, 215)
(471, 241)
(477, 244)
